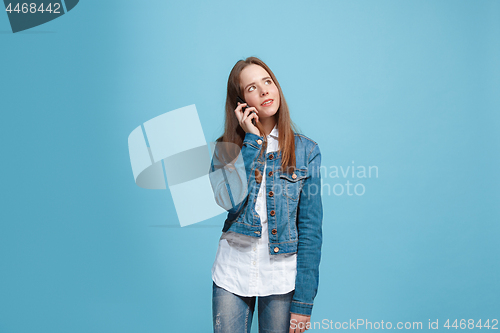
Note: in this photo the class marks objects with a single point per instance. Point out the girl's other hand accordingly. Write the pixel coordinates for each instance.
(245, 118)
(300, 322)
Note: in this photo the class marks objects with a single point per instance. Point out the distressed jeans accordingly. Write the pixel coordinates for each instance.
(233, 314)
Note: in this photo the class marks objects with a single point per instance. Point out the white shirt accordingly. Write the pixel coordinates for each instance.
(243, 264)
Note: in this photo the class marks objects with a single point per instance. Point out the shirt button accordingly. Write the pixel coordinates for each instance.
(276, 249)
(271, 156)
(259, 141)
(272, 212)
(294, 176)
(274, 232)
(254, 263)
(271, 193)
(255, 249)
(270, 174)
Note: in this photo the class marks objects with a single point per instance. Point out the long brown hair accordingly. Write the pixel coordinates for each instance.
(286, 128)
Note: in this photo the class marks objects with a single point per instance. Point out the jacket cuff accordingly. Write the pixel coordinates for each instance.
(301, 308)
(253, 140)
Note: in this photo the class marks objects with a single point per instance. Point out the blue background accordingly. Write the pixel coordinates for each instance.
(411, 87)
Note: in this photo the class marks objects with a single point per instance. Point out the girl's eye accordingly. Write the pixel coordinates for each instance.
(251, 88)
(269, 82)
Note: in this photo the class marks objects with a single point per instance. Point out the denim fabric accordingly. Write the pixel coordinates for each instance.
(294, 207)
(233, 314)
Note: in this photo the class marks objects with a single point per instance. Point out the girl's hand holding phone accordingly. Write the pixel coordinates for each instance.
(245, 118)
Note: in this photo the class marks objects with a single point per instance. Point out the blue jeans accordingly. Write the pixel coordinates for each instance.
(233, 314)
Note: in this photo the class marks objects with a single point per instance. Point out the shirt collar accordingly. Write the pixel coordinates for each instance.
(274, 132)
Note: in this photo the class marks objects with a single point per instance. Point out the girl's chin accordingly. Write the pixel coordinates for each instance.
(264, 119)
(267, 114)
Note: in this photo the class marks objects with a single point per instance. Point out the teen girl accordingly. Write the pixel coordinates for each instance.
(270, 248)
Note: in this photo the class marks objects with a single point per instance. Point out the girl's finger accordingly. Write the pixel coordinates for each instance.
(239, 107)
(251, 108)
(238, 112)
(246, 113)
(251, 116)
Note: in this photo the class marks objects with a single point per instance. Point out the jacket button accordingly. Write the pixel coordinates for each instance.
(272, 213)
(274, 231)
(257, 232)
(259, 141)
(270, 174)
(294, 176)
(271, 156)
(276, 249)
(271, 193)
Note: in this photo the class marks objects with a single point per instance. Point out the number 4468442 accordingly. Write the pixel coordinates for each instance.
(463, 324)
(32, 8)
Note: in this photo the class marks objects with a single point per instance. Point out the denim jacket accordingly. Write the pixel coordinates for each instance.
(294, 207)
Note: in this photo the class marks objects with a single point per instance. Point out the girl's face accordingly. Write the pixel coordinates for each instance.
(259, 90)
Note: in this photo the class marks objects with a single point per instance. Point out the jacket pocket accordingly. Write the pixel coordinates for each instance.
(291, 184)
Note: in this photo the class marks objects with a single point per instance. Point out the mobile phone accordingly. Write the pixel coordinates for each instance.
(244, 107)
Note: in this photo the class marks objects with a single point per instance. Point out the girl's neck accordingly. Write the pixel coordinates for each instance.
(268, 124)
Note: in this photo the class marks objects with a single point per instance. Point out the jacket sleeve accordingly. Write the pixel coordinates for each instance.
(230, 181)
(309, 225)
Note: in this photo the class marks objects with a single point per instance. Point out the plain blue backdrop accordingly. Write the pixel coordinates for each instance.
(411, 87)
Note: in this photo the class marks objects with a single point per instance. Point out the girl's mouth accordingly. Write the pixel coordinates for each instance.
(267, 102)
